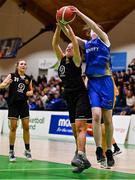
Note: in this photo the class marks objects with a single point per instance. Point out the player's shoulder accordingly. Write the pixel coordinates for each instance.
(28, 77)
(107, 43)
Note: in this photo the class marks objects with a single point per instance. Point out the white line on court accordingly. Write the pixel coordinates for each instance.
(39, 169)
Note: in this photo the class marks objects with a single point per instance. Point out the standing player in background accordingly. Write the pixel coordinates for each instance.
(100, 84)
(20, 88)
(75, 94)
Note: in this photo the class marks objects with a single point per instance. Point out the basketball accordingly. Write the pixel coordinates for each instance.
(89, 130)
(65, 15)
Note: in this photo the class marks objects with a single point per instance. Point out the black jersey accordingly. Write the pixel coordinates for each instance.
(70, 75)
(18, 88)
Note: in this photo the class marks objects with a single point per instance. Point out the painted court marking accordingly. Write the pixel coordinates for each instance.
(40, 169)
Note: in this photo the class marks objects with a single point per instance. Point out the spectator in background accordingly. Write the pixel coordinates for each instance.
(124, 76)
(57, 103)
(32, 104)
(132, 64)
(39, 104)
(130, 102)
(132, 110)
(43, 98)
(3, 102)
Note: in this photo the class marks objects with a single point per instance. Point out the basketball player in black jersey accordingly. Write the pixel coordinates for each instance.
(20, 88)
(75, 94)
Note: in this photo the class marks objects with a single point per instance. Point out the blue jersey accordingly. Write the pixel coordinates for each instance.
(98, 60)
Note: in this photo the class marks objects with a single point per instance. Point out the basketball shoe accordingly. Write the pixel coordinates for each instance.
(27, 154)
(99, 155)
(74, 159)
(116, 151)
(81, 163)
(110, 159)
(12, 157)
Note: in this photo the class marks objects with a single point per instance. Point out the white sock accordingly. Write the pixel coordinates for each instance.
(81, 152)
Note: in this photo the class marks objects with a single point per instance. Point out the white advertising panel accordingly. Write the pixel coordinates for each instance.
(121, 125)
(2, 114)
(56, 125)
(39, 124)
(131, 135)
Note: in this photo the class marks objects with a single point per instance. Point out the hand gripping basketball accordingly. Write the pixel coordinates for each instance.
(65, 15)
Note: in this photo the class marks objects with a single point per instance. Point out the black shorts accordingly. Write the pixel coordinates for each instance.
(78, 106)
(18, 110)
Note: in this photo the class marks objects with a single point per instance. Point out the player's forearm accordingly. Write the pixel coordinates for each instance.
(86, 19)
(94, 27)
(56, 37)
(66, 31)
(3, 85)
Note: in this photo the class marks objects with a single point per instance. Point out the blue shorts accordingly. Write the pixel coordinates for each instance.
(101, 92)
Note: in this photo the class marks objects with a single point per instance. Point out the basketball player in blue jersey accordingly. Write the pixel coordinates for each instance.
(20, 88)
(75, 94)
(100, 83)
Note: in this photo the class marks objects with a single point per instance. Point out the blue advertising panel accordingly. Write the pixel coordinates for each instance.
(60, 124)
(119, 61)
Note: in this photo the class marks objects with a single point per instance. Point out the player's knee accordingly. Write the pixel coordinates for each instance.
(26, 128)
(108, 122)
(96, 118)
(13, 128)
(81, 128)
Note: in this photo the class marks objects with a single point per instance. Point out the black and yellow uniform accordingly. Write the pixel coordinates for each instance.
(75, 92)
(17, 99)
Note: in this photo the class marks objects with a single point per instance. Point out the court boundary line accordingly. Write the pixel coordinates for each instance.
(33, 169)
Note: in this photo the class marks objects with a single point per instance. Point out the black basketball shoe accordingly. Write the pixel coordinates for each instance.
(81, 163)
(74, 159)
(110, 159)
(99, 155)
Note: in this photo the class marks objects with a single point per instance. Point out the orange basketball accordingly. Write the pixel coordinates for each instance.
(89, 130)
(65, 15)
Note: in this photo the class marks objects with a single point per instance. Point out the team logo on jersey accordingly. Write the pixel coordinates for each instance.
(62, 70)
(21, 87)
(26, 81)
(92, 49)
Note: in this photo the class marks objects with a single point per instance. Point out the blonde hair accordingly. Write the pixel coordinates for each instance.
(17, 63)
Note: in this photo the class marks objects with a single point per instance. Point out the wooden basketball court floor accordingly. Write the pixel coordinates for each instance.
(51, 160)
